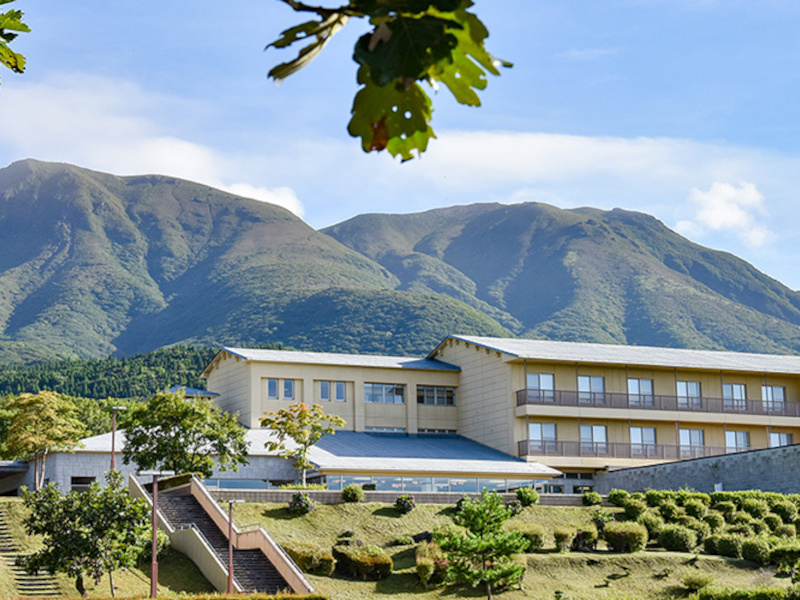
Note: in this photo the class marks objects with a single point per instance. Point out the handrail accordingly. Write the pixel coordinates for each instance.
(621, 450)
(207, 543)
(657, 402)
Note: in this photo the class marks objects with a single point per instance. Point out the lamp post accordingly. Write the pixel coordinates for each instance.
(154, 563)
(114, 411)
(230, 543)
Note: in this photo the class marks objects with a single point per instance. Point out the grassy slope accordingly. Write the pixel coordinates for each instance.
(653, 575)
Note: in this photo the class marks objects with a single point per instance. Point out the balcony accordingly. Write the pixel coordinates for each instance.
(620, 450)
(653, 402)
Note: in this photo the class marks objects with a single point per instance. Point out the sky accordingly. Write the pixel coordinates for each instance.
(688, 110)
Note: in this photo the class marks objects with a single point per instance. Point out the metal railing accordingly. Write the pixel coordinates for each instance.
(211, 548)
(620, 450)
(657, 402)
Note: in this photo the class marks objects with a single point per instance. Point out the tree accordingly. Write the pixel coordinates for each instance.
(86, 534)
(10, 24)
(167, 431)
(304, 426)
(411, 41)
(484, 552)
(41, 423)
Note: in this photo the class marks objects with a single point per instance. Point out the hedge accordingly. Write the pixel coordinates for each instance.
(311, 558)
(431, 564)
(362, 562)
(535, 535)
(677, 538)
(757, 550)
(625, 536)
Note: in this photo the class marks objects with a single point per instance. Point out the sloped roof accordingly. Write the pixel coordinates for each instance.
(634, 355)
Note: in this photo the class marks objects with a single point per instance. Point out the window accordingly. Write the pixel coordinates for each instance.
(689, 394)
(643, 441)
(640, 392)
(541, 386)
(593, 440)
(340, 393)
(591, 389)
(780, 439)
(431, 431)
(692, 443)
(325, 391)
(288, 389)
(734, 396)
(81, 484)
(385, 429)
(737, 441)
(384, 393)
(774, 398)
(272, 388)
(542, 437)
(328, 388)
(436, 395)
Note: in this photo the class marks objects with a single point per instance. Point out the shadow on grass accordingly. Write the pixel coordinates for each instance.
(404, 559)
(279, 514)
(387, 511)
(400, 583)
(448, 511)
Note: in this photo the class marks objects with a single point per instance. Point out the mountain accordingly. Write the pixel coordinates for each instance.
(95, 264)
(615, 276)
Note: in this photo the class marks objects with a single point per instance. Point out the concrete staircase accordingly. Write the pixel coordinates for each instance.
(40, 585)
(252, 570)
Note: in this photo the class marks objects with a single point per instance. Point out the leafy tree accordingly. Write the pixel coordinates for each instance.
(167, 431)
(411, 41)
(41, 423)
(86, 534)
(304, 426)
(484, 552)
(10, 26)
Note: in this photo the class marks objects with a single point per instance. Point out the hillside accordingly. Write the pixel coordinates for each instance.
(582, 275)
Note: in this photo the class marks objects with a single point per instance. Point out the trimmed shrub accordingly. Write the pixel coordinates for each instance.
(300, 504)
(759, 526)
(788, 531)
(670, 511)
(563, 538)
(311, 558)
(515, 507)
(696, 580)
(600, 517)
(739, 518)
(773, 521)
(786, 557)
(786, 510)
(625, 536)
(638, 496)
(431, 564)
(715, 520)
(701, 528)
(585, 540)
(710, 543)
(405, 504)
(762, 593)
(740, 529)
(729, 545)
(756, 508)
(726, 507)
(353, 493)
(618, 497)
(535, 535)
(362, 562)
(592, 499)
(756, 549)
(653, 522)
(634, 508)
(654, 498)
(527, 496)
(695, 508)
(677, 538)
(403, 540)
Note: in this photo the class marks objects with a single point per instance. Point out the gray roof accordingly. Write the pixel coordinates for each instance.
(348, 360)
(636, 355)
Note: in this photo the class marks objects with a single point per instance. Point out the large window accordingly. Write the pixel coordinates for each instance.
(591, 390)
(593, 440)
(541, 386)
(692, 442)
(640, 392)
(542, 437)
(384, 393)
(331, 388)
(780, 439)
(643, 441)
(689, 395)
(734, 396)
(737, 441)
(436, 395)
(774, 398)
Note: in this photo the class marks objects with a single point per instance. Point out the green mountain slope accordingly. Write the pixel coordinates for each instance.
(95, 264)
(583, 275)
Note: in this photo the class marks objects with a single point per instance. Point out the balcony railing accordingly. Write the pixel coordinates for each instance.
(620, 450)
(653, 402)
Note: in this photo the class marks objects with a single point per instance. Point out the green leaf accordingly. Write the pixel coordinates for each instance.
(11, 21)
(382, 8)
(323, 32)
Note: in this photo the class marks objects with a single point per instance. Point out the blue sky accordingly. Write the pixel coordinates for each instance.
(685, 109)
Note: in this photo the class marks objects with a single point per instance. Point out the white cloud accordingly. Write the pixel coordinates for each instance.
(282, 196)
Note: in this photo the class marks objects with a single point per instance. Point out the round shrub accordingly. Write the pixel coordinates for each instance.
(670, 511)
(638, 496)
(701, 528)
(695, 508)
(311, 558)
(600, 517)
(677, 538)
(362, 562)
(625, 536)
(535, 536)
(710, 543)
(786, 557)
(740, 529)
(585, 540)
(759, 526)
(756, 549)
(301, 504)
(697, 580)
(618, 497)
(786, 510)
(653, 522)
(563, 537)
(353, 493)
(788, 531)
(755, 508)
(431, 564)
(715, 520)
(634, 508)
(405, 504)
(527, 496)
(592, 499)
(654, 498)
(726, 507)
(730, 545)
(740, 518)
(773, 521)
